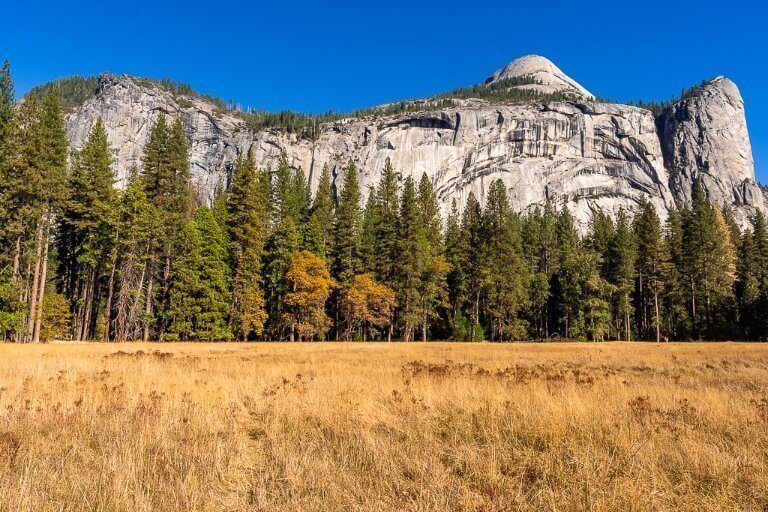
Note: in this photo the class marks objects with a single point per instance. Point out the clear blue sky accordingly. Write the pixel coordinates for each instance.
(306, 56)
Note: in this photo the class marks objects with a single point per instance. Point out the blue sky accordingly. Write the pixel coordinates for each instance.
(342, 55)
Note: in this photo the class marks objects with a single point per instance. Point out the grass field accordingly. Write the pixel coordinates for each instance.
(178, 427)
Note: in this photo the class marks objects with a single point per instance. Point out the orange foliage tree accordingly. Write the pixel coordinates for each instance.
(367, 303)
(309, 284)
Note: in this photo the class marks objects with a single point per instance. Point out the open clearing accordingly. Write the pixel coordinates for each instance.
(437, 426)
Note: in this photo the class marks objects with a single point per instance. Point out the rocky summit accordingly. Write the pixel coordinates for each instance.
(560, 144)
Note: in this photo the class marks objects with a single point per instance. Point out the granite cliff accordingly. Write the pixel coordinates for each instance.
(575, 150)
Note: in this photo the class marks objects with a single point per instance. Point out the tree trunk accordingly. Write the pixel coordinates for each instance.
(166, 287)
(656, 315)
(147, 303)
(389, 332)
(108, 307)
(89, 291)
(424, 328)
(35, 280)
(41, 294)
(16, 259)
(626, 324)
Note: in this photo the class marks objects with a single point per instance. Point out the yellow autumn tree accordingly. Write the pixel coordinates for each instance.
(309, 284)
(367, 303)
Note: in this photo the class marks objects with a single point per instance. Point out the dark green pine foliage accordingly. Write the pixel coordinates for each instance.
(283, 241)
(622, 253)
(409, 263)
(455, 248)
(567, 282)
(347, 260)
(651, 264)
(677, 281)
(200, 290)
(165, 175)
(10, 304)
(138, 225)
(368, 236)
(246, 219)
(7, 105)
(709, 266)
(320, 225)
(385, 226)
(433, 265)
(505, 273)
(752, 285)
(540, 251)
(87, 229)
(472, 263)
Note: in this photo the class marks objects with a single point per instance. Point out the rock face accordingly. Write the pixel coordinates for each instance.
(129, 106)
(584, 154)
(544, 71)
(705, 137)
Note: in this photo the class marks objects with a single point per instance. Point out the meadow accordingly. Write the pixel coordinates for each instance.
(385, 427)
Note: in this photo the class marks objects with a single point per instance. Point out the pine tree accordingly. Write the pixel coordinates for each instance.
(504, 269)
(348, 228)
(247, 210)
(433, 265)
(7, 107)
(410, 260)
(165, 175)
(369, 228)
(86, 229)
(652, 259)
(622, 254)
(138, 225)
(51, 159)
(387, 210)
(320, 228)
(472, 263)
(200, 284)
(540, 250)
(455, 248)
(676, 277)
(567, 284)
(709, 257)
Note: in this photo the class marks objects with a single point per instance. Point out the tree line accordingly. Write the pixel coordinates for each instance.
(269, 260)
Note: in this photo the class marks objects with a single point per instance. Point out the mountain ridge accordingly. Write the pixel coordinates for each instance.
(551, 145)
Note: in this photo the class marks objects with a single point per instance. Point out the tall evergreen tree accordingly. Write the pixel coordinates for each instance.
(348, 229)
(505, 275)
(385, 225)
(433, 265)
(622, 254)
(472, 262)
(652, 259)
(165, 175)
(410, 261)
(455, 248)
(86, 230)
(320, 229)
(138, 225)
(247, 211)
(200, 284)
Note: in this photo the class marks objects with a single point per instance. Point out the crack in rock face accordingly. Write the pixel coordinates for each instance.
(584, 154)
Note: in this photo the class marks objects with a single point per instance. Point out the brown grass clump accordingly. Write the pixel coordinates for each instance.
(384, 427)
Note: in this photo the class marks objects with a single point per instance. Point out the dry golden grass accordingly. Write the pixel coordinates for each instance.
(180, 427)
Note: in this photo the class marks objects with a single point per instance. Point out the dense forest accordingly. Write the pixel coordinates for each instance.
(80, 259)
